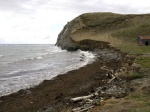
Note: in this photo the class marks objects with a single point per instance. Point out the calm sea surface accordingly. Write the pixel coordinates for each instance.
(24, 66)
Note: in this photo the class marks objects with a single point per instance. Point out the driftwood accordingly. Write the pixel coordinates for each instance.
(107, 69)
(114, 76)
(81, 109)
(86, 102)
(111, 80)
(91, 100)
(83, 97)
(111, 73)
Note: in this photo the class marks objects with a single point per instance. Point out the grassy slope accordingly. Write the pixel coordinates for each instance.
(123, 29)
(119, 30)
(126, 28)
(128, 35)
(139, 100)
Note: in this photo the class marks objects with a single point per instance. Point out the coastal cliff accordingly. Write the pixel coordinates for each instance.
(105, 28)
(117, 81)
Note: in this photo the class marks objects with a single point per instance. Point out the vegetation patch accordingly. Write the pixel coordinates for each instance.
(145, 102)
(130, 34)
(140, 109)
(134, 76)
(143, 61)
(133, 48)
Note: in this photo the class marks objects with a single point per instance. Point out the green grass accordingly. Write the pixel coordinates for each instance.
(92, 19)
(139, 96)
(130, 33)
(141, 52)
(144, 100)
(133, 48)
(127, 28)
(142, 57)
(141, 109)
(143, 61)
(135, 76)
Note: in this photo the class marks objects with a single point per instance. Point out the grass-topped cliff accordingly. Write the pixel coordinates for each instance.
(117, 29)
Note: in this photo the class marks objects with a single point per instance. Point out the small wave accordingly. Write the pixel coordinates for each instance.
(20, 72)
(39, 58)
(86, 54)
(30, 59)
(1, 56)
(27, 59)
(57, 50)
(89, 54)
(14, 72)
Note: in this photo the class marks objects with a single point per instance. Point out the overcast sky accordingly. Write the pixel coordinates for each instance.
(40, 21)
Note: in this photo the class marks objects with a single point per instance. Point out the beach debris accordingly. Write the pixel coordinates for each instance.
(116, 74)
(111, 73)
(82, 109)
(87, 102)
(83, 97)
(115, 89)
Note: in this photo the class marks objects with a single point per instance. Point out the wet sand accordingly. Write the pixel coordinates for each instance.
(54, 95)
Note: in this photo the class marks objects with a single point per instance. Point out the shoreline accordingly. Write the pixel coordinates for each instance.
(24, 77)
(54, 95)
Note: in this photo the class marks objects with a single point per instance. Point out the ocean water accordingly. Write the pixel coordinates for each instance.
(24, 66)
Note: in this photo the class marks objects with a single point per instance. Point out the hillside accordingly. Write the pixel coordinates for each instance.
(119, 31)
(117, 81)
(106, 27)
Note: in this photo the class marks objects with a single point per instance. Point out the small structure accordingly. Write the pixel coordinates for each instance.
(143, 40)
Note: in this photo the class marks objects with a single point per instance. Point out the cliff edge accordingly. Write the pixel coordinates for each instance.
(103, 28)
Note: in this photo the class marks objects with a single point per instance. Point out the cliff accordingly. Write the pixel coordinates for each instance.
(103, 28)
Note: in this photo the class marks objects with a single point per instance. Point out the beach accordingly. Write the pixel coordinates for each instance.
(54, 95)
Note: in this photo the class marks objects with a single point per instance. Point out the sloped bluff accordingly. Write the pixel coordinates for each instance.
(104, 28)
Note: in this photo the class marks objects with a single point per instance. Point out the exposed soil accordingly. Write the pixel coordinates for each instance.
(54, 95)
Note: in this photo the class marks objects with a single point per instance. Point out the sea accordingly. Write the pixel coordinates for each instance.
(25, 66)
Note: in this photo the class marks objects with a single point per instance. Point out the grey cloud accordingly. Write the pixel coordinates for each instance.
(123, 9)
(85, 6)
(19, 6)
(11, 5)
(99, 6)
(77, 6)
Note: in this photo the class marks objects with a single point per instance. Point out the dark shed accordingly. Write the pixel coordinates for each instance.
(143, 40)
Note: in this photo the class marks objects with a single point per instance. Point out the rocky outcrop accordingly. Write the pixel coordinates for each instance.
(102, 27)
(64, 38)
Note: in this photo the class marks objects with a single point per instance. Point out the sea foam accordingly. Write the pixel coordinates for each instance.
(35, 65)
(1, 55)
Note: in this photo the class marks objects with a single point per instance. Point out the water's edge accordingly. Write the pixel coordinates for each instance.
(32, 78)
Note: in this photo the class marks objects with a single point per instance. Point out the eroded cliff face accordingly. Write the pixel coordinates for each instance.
(98, 27)
(64, 38)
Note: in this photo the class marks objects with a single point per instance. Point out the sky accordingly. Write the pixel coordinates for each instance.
(40, 21)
